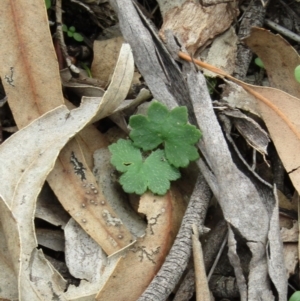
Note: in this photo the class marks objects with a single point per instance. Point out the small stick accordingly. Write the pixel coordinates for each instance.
(60, 38)
(202, 289)
(282, 30)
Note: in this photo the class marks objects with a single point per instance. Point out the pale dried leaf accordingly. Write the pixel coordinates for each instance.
(222, 52)
(280, 59)
(30, 71)
(89, 139)
(290, 253)
(120, 84)
(115, 196)
(37, 74)
(275, 259)
(86, 291)
(286, 137)
(249, 129)
(237, 97)
(106, 54)
(290, 235)
(82, 86)
(84, 257)
(86, 202)
(21, 183)
(144, 258)
(51, 239)
(9, 253)
(49, 209)
(283, 123)
(44, 279)
(196, 25)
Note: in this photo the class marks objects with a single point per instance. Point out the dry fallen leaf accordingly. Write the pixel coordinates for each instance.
(280, 112)
(290, 235)
(36, 81)
(84, 257)
(138, 266)
(30, 71)
(222, 52)
(279, 57)
(106, 54)
(23, 171)
(9, 253)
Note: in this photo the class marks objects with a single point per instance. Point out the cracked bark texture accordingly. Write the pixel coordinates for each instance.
(253, 16)
(176, 262)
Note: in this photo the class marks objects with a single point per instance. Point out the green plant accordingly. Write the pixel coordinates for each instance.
(259, 62)
(71, 32)
(167, 142)
(211, 83)
(48, 3)
(295, 296)
(297, 73)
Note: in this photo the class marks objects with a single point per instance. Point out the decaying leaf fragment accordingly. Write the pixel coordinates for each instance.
(193, 24)
(9, 253)
(105, 58)
(84, 257)
(142, 260)
(253, 133)
(222, 52)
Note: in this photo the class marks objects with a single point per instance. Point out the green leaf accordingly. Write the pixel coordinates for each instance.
(153, 173)
(70, 34)
(77, 37)
(297, 73)
(169, 128)
(259, 62)
(295, 296)
(48, 3)
(72, 29)
(64, 28)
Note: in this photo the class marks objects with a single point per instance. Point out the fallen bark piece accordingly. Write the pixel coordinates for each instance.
(194, 24)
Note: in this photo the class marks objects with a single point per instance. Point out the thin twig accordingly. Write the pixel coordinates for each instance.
(178, 258)
(282, 30)
(253, 16)
(60, 37)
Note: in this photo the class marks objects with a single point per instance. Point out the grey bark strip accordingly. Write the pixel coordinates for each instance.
(253, 16)
(176, 262)
(211, 247)
(239, 199)
(144, 51)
